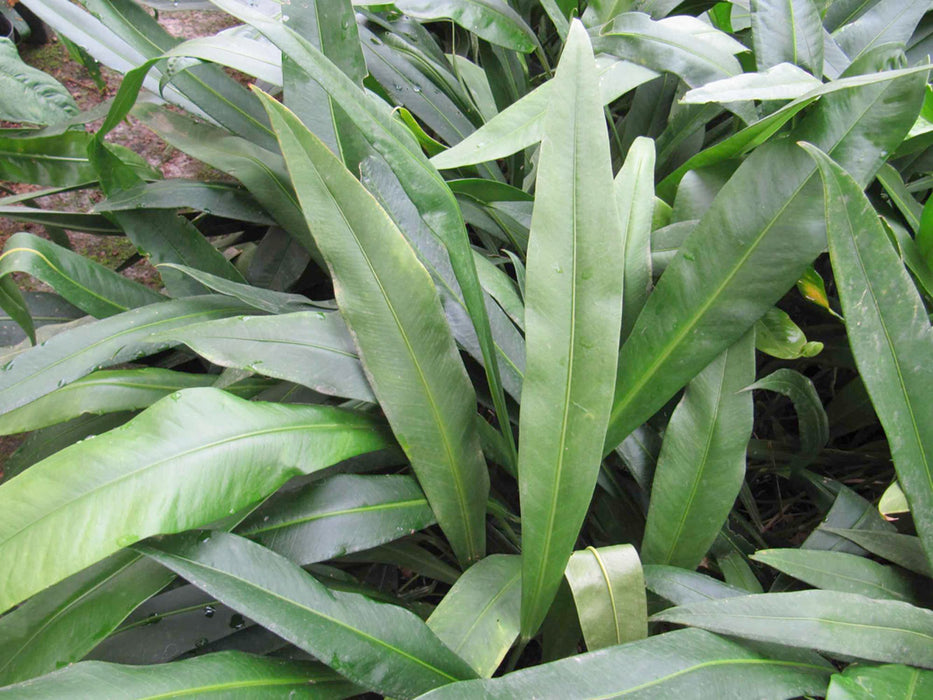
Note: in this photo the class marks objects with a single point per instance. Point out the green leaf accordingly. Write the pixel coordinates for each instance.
(385, 648)
(634, 192)
(784, 81)
(79, 351)
(337, 516)
(841, 571)
(29, 95)
(107, 391)
(420, 181)
(833, 622)
(88, 285)
(572, 319)
(311, 348)
(393, 311)
(63, 623)
(787, 30)
(260, 170)
(860, 682)
(57, 161)
(478, 618)
(682, 664)
(884, 22)
(76, 221)
(273, 302)
(212, 198)
(892, 342)
(144, 473)
(521, 124)
(777, 335)
(702, 462)
(759, 132)
(681, 586)
(903, 550)
(739, 261)
(229, 672)
(683, 45)
(492, 20)
(609, 592)
(811, 417)
(331, 27)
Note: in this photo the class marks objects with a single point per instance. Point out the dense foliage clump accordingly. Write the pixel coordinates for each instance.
(517, 349)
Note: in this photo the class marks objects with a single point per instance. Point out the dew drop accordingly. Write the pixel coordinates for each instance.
(237, 621)
(209, 611)
(201, 643)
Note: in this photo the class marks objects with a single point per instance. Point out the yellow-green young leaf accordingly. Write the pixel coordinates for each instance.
(393, 311)
(777, 335)
(702, 462)
(681, 664)
(634, 191)
(893, 501)
(478, 618)
(192, 458)
(609, 592)
(889, 333)
(894, 681)
(573, 314)
(238, 674)
(830, 621)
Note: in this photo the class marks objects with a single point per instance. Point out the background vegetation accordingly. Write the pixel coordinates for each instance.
(469, 348)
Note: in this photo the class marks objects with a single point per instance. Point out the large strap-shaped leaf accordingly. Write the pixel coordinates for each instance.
(63, 623)
(702, 462)
(312, 348)
(344, 514)
(478, 618)
(787, 30)
(841, 571)
(260, 170)
(739, 261)
(609, 592)
(57, 161)
(838, 623)
(573, 314)
(331, 26)
(420, 180)
(172, 468)
(383, 647)
(88, 285)
(393, 311)
(683, 664)
(106, 391)
(681, 586)
(230, 672)
(79, 351)
(889, 332)
(634, 191)
(213, 92)
(214, 198)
